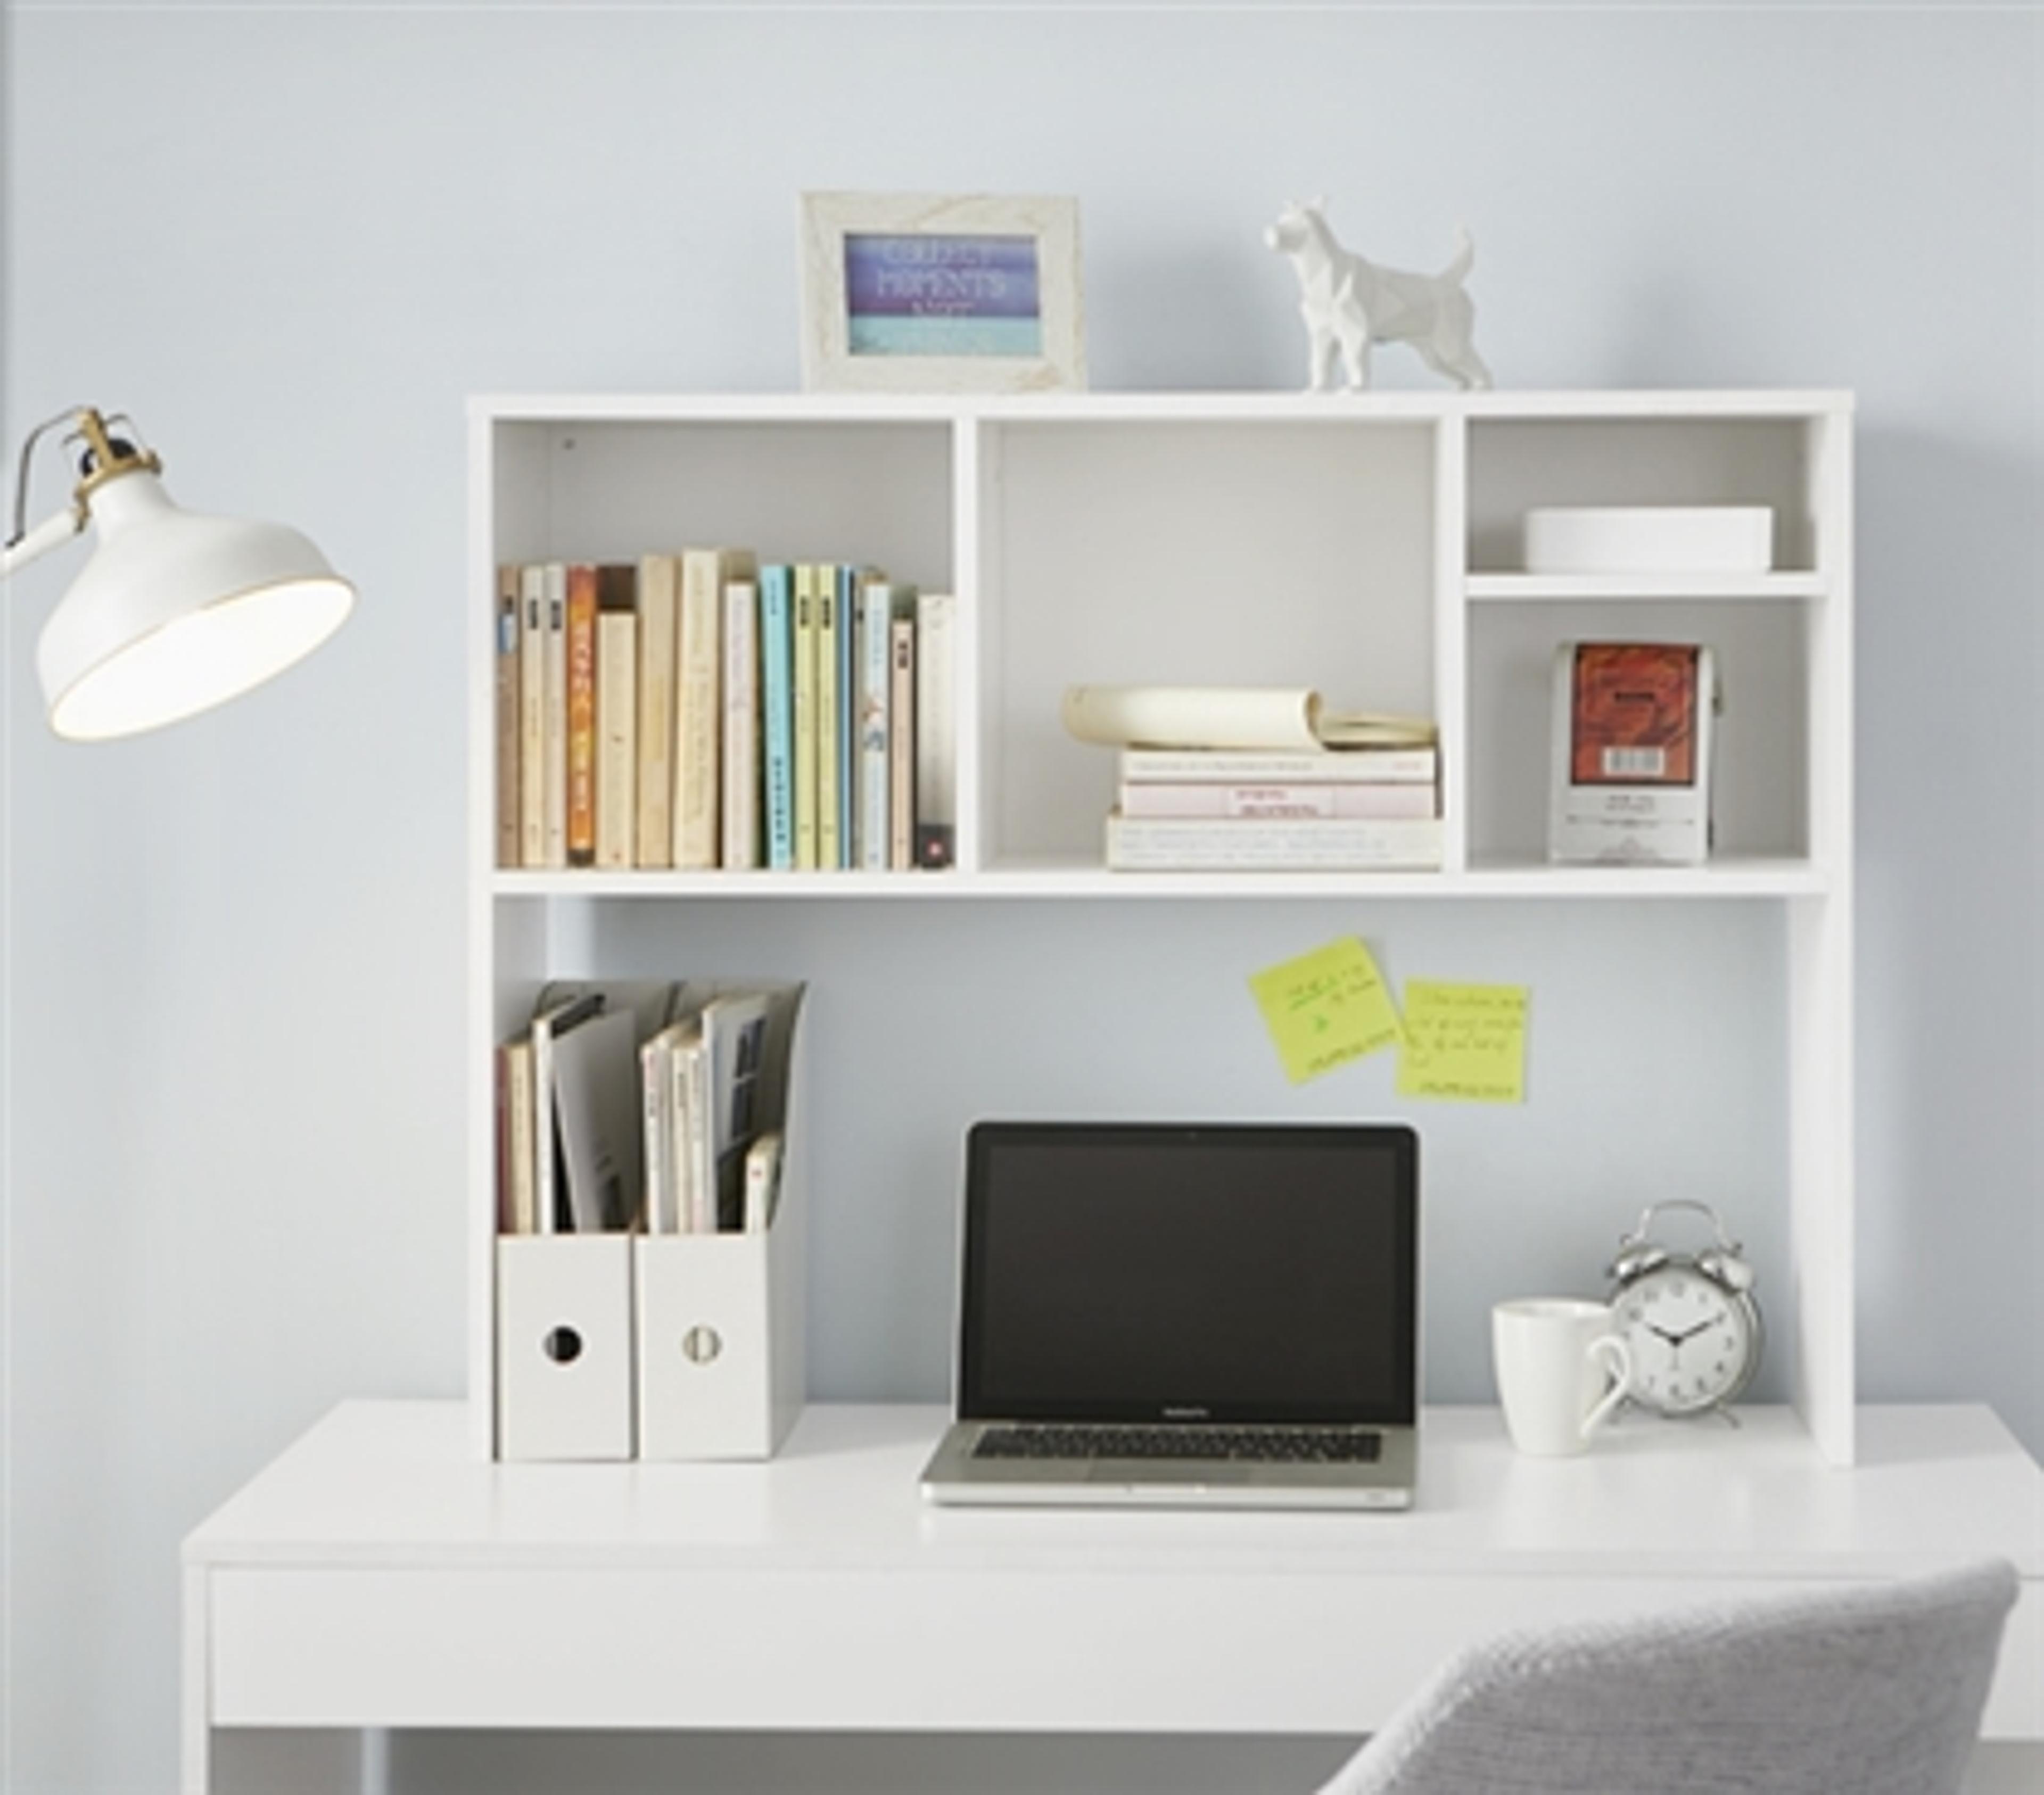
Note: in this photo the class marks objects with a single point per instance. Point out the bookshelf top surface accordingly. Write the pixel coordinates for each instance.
(1216, 407)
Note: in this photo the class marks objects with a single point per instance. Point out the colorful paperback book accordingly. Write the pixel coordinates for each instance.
(532, 716)
(1632, 734)
(777, 732)
(936, 765)
(516, 1211)
(876, 609)
(616, 721)
(849, 581)
(554, 773)
(805, 717)
(659, 596)
(699, 722)
(829, 841)
(901, 740)
(506, 646)
(581, 613)
(740, 805)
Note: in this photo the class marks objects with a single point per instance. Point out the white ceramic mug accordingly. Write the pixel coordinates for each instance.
(1561, 1371)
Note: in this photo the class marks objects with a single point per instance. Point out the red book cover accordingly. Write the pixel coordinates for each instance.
(1633, 714)
(582, 714)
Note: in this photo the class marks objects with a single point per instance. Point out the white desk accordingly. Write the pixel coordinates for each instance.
(375, 1576)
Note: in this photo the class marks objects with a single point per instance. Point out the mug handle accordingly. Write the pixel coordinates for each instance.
(1611, 1348)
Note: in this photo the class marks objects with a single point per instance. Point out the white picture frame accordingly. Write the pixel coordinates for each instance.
(941, 293)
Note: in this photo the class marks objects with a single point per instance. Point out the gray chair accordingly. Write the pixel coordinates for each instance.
(1864, 1690)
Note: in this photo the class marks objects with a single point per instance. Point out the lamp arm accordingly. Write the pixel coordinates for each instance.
(53, 532)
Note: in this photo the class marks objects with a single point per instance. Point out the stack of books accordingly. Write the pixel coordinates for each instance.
(1235, 779)
(700, 710)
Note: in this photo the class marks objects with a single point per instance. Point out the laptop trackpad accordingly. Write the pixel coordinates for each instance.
(1187, 1474)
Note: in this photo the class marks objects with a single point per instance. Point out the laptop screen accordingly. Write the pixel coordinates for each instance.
(1217, 1272)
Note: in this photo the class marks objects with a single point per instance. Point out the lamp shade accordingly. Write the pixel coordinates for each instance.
(176, 611)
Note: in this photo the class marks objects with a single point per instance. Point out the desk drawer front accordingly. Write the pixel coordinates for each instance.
(903, 1651)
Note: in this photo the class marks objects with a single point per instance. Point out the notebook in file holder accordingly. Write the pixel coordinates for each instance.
(1212, 1315)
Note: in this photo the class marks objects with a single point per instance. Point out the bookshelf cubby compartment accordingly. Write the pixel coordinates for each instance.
(1366, 545)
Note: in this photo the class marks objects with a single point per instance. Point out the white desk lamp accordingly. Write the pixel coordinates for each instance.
(174, 612)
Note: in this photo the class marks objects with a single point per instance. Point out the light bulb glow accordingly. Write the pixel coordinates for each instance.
(201, 658)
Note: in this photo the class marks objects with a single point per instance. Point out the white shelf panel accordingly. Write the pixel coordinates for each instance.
(1092, 407)
(1493, 588)
(1742, 878)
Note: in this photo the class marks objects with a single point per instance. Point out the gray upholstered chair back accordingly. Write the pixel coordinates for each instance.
(1856, 1691)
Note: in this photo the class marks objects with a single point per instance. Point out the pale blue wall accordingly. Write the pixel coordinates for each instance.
(292, 241)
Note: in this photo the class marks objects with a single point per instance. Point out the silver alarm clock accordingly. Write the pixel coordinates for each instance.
(1689, 1318)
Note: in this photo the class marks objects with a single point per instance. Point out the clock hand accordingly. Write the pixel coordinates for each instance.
(1688, 1333)
(1673, 1340)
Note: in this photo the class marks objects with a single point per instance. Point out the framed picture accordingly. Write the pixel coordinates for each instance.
(941, 293)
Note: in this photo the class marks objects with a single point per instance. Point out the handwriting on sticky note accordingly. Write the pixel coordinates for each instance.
(1464, 1042)
(1325, 1008)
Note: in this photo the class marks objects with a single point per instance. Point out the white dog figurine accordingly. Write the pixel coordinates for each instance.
(1349, 303)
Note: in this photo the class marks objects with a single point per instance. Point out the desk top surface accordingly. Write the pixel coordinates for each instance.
(392, 1483)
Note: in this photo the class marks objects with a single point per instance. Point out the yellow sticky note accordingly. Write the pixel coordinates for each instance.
(1463, 1041)
(1325, 1008)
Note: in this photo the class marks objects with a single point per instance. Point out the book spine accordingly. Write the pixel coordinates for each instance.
(850, 580)
(555, 752)
(582, 714)
(546, 1213)
(829, 841)
(618, 737)
(936, 784)
(681, 1129)
(532, 716)
(741, 724)
(695, 1188)
(654, 1078)
(509, 852)
(1275, 802)
(763, 1182)
(805, 717)
(901, 743)
(1320, 844)
(700, 722)
(1250, 767)
(659, 580)
(514, 1072)
(777, 660)
(875, 603)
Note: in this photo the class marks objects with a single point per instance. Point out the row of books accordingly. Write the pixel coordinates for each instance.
(699, 710)
(644, 1107)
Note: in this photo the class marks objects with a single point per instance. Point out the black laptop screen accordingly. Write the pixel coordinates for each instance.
(1151, 1272)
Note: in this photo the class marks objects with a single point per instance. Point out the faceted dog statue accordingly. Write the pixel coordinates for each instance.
(1349, 303)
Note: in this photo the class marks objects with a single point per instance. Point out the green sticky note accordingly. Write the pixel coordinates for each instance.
(1325, 1008)
(1464, 1042)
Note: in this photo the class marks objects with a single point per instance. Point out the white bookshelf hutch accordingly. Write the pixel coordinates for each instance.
(1368, 543)
(384, 1573)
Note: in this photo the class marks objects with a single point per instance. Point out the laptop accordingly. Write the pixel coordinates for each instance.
(1209, 1315)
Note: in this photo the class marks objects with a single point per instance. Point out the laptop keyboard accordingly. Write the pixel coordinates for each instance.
(1254, 1445)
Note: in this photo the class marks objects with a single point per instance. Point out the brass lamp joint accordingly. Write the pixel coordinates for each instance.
(107, 457)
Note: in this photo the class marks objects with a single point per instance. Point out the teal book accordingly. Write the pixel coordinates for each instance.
(777, 711)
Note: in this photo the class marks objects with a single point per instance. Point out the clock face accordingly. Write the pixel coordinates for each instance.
(1694, 1344)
